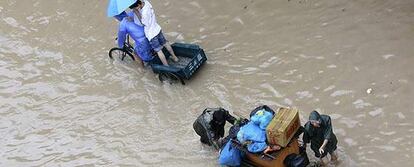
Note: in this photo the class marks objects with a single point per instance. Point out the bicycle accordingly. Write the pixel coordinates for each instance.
(121, 53)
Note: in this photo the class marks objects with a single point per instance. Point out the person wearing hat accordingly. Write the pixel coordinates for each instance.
(319, 132)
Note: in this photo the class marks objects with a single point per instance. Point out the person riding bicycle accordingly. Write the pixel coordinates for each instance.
(143, 51)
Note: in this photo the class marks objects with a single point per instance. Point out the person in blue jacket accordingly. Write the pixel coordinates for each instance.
(142, 48)
(121, 16)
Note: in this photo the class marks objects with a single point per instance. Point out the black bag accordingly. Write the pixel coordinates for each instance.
(294, 160)
(297, 160)
(265, 107)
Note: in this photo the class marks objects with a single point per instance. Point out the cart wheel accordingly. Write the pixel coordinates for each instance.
(121, 55)
(170, 78)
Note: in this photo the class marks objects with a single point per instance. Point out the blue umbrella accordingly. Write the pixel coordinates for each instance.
(115, 7)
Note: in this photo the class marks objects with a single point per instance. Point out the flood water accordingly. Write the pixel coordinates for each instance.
(63, 103)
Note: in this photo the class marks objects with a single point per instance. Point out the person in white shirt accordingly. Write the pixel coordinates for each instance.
(145, 15)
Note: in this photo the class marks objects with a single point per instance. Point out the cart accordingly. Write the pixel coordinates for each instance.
(191, 58)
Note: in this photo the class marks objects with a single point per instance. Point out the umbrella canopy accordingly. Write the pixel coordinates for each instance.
(115, 7)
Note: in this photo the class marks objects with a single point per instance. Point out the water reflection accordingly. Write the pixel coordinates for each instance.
(62, 102)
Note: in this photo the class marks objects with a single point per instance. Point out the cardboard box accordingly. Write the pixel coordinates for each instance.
(283, 126)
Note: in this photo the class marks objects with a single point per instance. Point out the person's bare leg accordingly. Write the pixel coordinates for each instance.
(334, 156)
(169, 48)
(141, 63)
(324, 161)
(139, 60)
(162, 58)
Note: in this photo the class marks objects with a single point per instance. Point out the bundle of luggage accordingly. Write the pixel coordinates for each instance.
(265, 132)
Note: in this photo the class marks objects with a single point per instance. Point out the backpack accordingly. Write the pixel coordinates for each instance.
(297, 160)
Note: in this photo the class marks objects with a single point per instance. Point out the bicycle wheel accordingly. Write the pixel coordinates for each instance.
(121, 55)
(170, 78)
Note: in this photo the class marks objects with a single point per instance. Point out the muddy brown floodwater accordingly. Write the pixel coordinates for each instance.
(63, 103)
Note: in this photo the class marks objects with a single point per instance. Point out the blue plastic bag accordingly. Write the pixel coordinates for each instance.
(230, 156)
(257, 136)
(251, 132)
(262, 118)
(256, 147)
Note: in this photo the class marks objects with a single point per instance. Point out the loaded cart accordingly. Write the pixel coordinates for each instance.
(266, 139)
(283, 130)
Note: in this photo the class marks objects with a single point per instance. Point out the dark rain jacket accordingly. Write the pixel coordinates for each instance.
(210, 124)
(316, 135)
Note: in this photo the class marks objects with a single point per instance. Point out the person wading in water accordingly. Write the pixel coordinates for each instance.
(318, 131)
